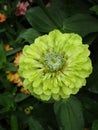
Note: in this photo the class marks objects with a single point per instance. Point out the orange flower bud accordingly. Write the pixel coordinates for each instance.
(7, 47)
(2, 17)
(17, 57)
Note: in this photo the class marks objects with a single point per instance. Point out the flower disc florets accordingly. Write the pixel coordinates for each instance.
(53, 61)
(55, 66)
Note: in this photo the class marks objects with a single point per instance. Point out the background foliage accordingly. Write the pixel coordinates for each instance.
(18, 109)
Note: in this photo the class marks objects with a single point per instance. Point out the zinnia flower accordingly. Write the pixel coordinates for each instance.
(2, 17)
(7, 47)
(17, 57)
(22, 7)
(14, 78)
(55, 65)
(24, 90)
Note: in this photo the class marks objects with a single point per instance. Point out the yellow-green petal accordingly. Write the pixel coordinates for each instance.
(55, 66)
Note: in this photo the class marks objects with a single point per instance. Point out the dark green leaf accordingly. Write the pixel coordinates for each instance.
(29, 35)
(8, 53)
(95, 125)
(2, 30)
(50, 128)
(58, 15)
(95, 9)
(10, 67)
(92, 82)
(71, 6)
(1, 128)
(2, 56)
(69, 114)
(89, 39)
(14, 122)
(75, 6)
(20, 97)
(34, 124)
(90, 107)
(82, 24)
(39, 20)
(6, 103)
(92, 1)
(6, 99)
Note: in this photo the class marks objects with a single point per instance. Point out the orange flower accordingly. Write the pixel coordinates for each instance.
(17, 57)
(2, 17)
(7, 47)
(14, 78)
(24, 91)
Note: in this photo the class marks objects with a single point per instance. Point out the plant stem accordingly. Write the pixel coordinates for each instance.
(14, 122)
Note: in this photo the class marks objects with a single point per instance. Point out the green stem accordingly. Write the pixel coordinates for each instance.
(14, 122)
(41, 4)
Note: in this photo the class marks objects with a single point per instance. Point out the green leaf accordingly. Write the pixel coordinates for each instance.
(73, 6)
(92, 1)
(95, 9)
(29, 35)
(6, 99)
(34, 124)
(1, 128)
(58, 15)
(7, 102)
(82, 24)
(21, 96)
(90, 107)
(14, 122)
(92, 81)
(95, 125)
(2, 30)
(8, 53)
(2, 56)
(10, 67)
(39, 20)
(89, 39)
(69, 114)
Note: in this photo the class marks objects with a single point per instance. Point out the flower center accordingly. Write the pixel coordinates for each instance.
(53, 61)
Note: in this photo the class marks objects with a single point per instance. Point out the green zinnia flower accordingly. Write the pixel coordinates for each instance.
(55, 66)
